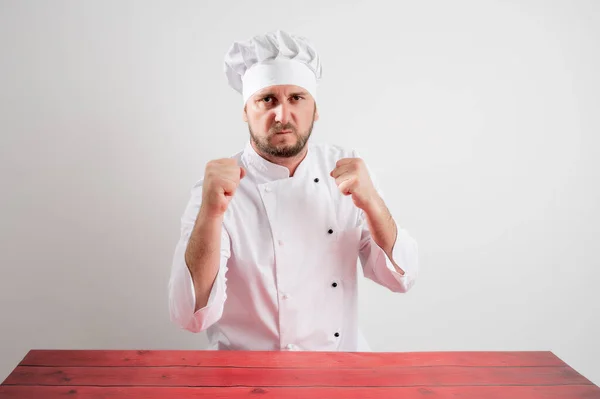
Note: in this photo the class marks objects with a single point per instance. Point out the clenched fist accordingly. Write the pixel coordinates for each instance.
(352, 178)
(221, 179)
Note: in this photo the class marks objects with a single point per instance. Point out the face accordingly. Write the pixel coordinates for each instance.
(280, 120)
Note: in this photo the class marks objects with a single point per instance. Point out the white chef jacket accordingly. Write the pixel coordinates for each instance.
(289, 252)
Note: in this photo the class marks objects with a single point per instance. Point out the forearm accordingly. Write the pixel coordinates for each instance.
(202, 255)
(382, 227)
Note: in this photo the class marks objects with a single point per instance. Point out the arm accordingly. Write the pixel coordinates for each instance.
(197, 284)
(383, 229)
(388, 254)
(202, 256)
(394, 267)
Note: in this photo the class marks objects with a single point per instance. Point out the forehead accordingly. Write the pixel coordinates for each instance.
(284, 90)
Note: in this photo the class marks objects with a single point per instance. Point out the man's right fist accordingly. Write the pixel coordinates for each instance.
(221, 180)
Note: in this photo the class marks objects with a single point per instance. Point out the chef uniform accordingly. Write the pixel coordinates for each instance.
(289, 245)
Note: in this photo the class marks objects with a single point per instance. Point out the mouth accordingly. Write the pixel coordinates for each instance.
(284, 132)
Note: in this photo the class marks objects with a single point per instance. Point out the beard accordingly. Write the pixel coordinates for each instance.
(281, 150)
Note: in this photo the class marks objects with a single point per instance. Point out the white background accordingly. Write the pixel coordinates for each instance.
(480, 119)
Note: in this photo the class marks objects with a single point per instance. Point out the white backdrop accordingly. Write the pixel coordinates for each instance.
(480, 119)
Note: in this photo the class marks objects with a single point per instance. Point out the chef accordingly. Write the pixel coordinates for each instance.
(271, 237)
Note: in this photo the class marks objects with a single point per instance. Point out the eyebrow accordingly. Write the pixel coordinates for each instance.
(271, 94)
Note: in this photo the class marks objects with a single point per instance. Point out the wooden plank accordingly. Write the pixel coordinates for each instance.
(487, 392)
(118, 358)
(217, 377)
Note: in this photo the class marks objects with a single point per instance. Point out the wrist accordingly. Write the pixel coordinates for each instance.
(375, 206)
(208, 215)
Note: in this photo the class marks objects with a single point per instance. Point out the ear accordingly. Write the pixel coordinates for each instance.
(316, 113)
(244, 115)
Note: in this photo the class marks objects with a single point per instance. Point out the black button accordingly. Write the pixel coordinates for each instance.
(330, 231)
(337, 334)
(316, 180)
(334, 285)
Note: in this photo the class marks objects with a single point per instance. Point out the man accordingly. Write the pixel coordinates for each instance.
(270, 238)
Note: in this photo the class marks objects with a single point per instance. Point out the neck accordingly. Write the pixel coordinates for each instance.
(291, 163)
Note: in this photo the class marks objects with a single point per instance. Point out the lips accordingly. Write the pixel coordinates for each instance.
(284, 132)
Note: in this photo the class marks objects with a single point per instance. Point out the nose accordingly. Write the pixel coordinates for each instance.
(282, 113)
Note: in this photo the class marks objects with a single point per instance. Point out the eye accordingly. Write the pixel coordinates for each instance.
(268, 99)
(297, 97)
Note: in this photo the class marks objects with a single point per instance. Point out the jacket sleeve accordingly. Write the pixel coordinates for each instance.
(376, 264)
(182, 298)
(379, 268)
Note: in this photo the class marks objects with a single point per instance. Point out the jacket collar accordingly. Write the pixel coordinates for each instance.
(266, 171)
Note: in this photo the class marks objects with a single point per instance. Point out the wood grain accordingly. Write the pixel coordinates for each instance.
(82, 358)
(487, 392)
(140, 374)
(228, 377)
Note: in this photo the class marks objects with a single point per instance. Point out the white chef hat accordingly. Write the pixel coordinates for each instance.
(275, 58)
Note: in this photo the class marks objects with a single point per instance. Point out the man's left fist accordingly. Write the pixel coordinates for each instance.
(352, 178)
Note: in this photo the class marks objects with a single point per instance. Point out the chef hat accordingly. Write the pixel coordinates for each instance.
(275, 58)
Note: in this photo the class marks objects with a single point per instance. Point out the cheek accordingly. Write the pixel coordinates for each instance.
(307, 118)
(260, 125)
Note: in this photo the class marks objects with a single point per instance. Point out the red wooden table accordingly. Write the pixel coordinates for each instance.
(115, 374)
